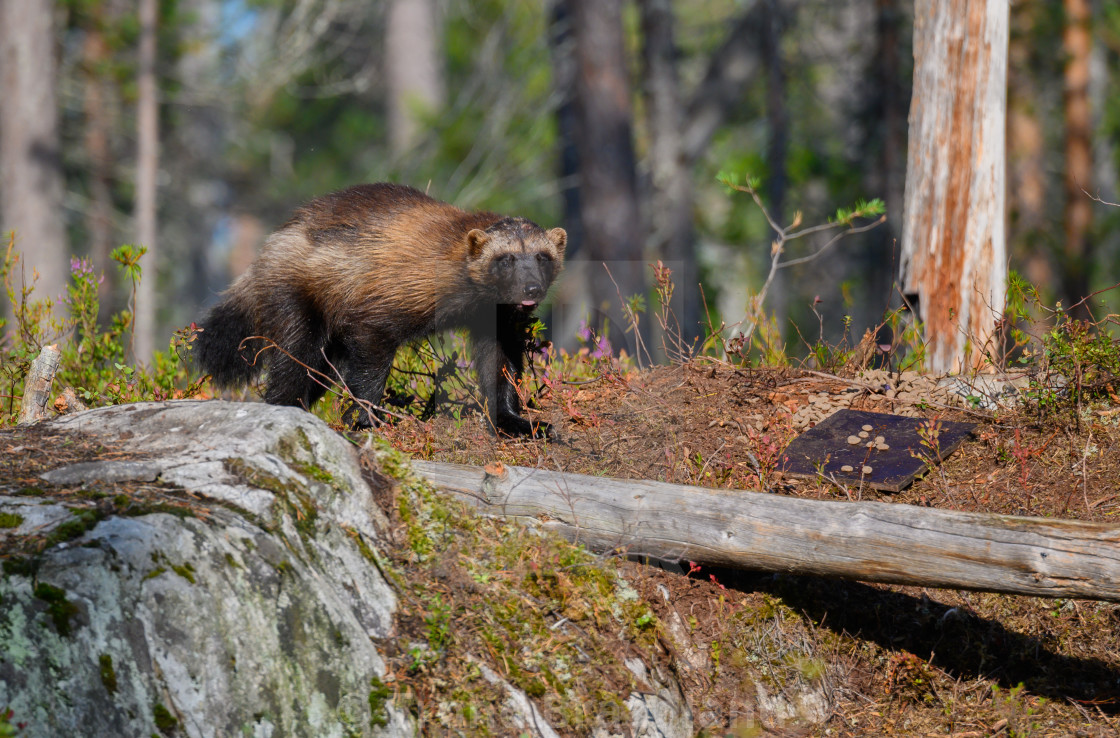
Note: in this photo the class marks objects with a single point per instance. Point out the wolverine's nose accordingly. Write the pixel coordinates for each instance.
(534, 291)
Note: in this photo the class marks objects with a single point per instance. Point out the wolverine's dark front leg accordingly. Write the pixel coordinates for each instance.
(499, 357)
(368, 361)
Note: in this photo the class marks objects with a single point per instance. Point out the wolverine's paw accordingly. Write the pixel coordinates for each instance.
(515, 425)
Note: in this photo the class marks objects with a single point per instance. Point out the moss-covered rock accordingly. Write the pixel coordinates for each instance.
(240, 619)
(255, 591)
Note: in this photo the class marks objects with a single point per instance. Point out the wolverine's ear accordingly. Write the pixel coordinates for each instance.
(476, 242)
(559, 238)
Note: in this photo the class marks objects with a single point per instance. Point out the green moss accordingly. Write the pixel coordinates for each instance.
(306, 516)
(232, 562)
(60, 609)
(20, 566)
(303, 509)
(393, 463)
(314, 472)
(108, 674)
(165, 721)
(379, 695)
(31, 492)
(295, 445)
(148, 508)
(185, 570)
(10, 520)
(121, 500)
(83, 520)
(253, 476)
(155, 573)
(244, 513)
(524, 583)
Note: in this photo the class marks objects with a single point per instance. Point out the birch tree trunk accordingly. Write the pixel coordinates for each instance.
(1078, 44)
(953, 242)
(147, 173)
(98, 126)
(30, 163)
(412, 68)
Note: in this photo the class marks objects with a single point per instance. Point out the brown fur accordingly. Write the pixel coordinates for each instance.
(357, 273)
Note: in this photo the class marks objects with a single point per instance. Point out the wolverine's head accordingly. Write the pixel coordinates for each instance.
(515, 260)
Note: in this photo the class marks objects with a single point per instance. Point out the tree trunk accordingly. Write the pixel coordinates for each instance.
(777, 122)
(884, 147)
(870, 541)
(730, 72)
(671, 191)
(412, 68)
(1028, 190)
(562, 43)
(952, 262)
(892, 108)
(1077, 43)
(147, 173)
(99, 221)
(611, 221)
(31, 184)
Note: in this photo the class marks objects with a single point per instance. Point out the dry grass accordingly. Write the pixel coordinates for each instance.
(813, 656)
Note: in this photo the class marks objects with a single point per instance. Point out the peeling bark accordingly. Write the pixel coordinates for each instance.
(953, 237)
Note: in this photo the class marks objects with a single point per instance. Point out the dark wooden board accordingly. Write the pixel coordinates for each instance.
(824, 449)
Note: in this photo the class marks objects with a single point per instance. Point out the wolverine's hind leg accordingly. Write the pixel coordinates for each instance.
(368, 360)
(297, 367)
(299, 379)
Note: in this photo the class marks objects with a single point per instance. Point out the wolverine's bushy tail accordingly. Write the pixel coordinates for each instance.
(218, 350)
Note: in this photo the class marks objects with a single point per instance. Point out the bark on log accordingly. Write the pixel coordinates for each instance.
(870, 541)
(37, 386)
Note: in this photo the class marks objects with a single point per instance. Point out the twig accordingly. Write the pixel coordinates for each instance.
(778, 246)
(1098, 199)
(638, 342)
(322, 378)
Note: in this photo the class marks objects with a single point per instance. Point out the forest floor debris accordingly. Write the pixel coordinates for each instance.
(883, 659)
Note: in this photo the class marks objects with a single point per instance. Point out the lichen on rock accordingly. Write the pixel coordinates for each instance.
(223, 569)
(240, 620)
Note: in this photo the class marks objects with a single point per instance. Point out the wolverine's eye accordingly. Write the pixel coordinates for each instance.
(543, 258)
(505, 261)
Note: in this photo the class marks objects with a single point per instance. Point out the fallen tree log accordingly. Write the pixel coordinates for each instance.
(869, 541)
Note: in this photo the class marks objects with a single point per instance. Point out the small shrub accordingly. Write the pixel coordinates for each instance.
(95, 358)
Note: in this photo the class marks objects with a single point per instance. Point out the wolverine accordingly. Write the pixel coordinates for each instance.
(355, 274)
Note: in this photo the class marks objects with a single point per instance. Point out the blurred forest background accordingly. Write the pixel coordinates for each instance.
(194, 128)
